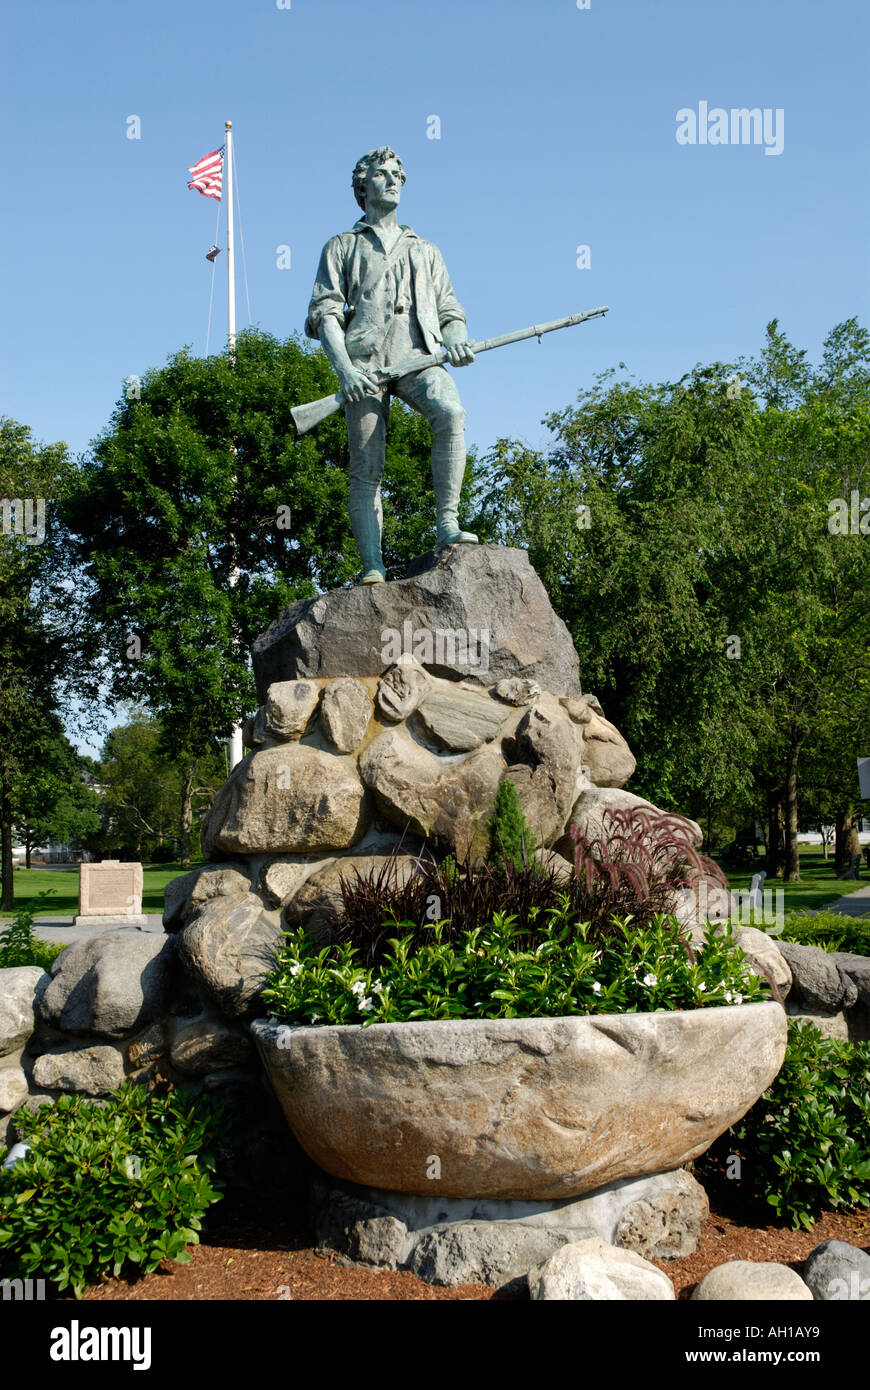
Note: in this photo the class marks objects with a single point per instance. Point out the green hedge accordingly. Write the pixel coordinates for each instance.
(829, 930)
(805, 1145)
(108, 1184)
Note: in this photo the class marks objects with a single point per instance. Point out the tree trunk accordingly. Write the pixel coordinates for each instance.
(186, 821)
(28, 849)
(7, 898)
(775, 840)
(708, 845)
(847, 843)
(792, 855)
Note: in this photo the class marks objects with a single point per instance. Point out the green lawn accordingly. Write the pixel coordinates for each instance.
(65, 883)
(817, 885)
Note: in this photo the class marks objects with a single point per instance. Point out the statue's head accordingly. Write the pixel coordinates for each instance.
(382, 155)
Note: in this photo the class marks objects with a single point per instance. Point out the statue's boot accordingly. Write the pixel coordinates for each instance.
(366, 521)
(448, 470)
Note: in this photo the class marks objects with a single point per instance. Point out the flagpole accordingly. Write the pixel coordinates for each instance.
(231, 267)
(236, 747)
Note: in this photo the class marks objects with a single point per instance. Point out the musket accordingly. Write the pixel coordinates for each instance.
(305, 417)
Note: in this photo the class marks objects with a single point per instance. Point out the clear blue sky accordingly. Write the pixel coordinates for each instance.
(558, 128)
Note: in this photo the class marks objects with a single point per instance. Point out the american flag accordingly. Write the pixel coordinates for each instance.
(208, 174)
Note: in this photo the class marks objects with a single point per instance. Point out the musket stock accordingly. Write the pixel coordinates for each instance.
(305, 417)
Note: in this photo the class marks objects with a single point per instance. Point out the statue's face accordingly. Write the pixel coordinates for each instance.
(384, 184)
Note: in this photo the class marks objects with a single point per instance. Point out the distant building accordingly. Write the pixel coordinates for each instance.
(51, 854)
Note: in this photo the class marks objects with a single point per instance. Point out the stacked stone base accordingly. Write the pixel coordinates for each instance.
(452, 1241)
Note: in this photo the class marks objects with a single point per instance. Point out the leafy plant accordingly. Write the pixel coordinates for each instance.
(126, 1181)
(19, 944)
(831, 931)
(806, 1142)
(554, 968)
(511, 838)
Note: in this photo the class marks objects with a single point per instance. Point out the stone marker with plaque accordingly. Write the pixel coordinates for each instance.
(109, 891)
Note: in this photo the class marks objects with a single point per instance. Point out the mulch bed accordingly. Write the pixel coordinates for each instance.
(251, 1253)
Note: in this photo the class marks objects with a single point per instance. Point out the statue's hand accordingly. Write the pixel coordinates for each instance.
(460, 354)
(355, 385)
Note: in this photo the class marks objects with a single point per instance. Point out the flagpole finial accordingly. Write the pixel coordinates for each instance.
(228, 125)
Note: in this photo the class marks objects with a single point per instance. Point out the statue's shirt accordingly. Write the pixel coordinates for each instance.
(388, 303)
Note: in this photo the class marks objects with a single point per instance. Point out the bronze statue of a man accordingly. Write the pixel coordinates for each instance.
(382, 295)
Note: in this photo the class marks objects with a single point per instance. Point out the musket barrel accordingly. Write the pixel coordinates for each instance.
(417, 364)
(537, 329)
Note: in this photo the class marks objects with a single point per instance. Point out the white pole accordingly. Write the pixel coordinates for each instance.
(236, 749)
(231, 269)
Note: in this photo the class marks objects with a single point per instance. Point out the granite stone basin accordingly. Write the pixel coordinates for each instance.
(520, 1108)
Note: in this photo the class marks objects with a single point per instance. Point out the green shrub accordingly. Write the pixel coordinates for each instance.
(18, 943)
(109, 1184)
(829, 930)
(510, 837)
(502, 970)
(806, 1142)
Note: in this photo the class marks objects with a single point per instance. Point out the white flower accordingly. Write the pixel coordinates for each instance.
(378, 987)
(650, 981)
(365, 1004)
(728, 996)
(295, 969)
(358, 989)
(702, 988)
(596, 988)
(314, 1018)
(738, 998)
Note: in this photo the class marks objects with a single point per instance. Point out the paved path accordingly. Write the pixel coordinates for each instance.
(61, 929)
(855, 904)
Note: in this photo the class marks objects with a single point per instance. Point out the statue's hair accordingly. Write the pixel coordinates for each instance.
(364, 163)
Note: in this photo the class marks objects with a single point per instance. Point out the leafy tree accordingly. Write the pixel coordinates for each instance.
(803, 588)
(47, 654)
(140, 789)
(56, 801)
